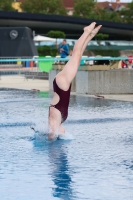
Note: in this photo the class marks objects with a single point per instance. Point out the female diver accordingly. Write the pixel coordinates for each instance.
(58, 109)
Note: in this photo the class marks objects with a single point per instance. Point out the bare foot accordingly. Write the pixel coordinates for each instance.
(90, 28)
(95, 31)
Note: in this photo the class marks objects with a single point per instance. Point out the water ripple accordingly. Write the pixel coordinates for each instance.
(16, 124)
(93, 160)
(98, 120)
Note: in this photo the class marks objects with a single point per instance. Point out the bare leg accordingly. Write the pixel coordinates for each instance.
(90, 36)
(65, 77)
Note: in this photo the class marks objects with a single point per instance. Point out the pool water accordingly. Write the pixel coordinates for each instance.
(93, 161)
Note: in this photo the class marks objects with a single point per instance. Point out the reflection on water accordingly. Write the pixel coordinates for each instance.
(59, 166)
(97, 164)
(60, 171)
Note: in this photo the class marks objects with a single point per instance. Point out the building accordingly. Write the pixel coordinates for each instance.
(69, 4)
(111, 6)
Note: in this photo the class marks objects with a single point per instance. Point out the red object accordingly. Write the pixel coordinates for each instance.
(123, 64)
(130, 59)
(31, 64)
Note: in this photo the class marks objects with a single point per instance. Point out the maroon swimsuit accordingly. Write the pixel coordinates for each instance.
(63, 103)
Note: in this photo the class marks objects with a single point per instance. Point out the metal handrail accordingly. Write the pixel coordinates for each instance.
(62, 59)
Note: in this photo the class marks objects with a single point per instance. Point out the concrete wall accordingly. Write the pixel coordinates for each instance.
(119, 81)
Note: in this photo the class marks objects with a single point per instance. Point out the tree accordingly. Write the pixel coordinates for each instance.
(101, 36)
(84, 8)
(114, 16)
(127, 13)
(89, 9)
(44, 6)
(108, 15)
(6, 5)
(56, 34)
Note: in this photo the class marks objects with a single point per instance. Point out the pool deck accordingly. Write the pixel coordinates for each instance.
(19, 82)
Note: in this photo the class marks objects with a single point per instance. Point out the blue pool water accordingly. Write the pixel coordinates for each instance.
(93, 161)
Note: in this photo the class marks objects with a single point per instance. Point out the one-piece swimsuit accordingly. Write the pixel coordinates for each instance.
(64, 97)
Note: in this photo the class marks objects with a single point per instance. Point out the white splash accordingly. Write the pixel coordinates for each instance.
(41, 132)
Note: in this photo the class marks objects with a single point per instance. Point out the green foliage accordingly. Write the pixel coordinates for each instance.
(102, 14)
(56, 34)
(89, 9)
(84, 8)
(101, 36)
(6, 5)
(114, 16)
(127, 13)
(50, 51)
(112, 53)
(47, 51)
(44, 6)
